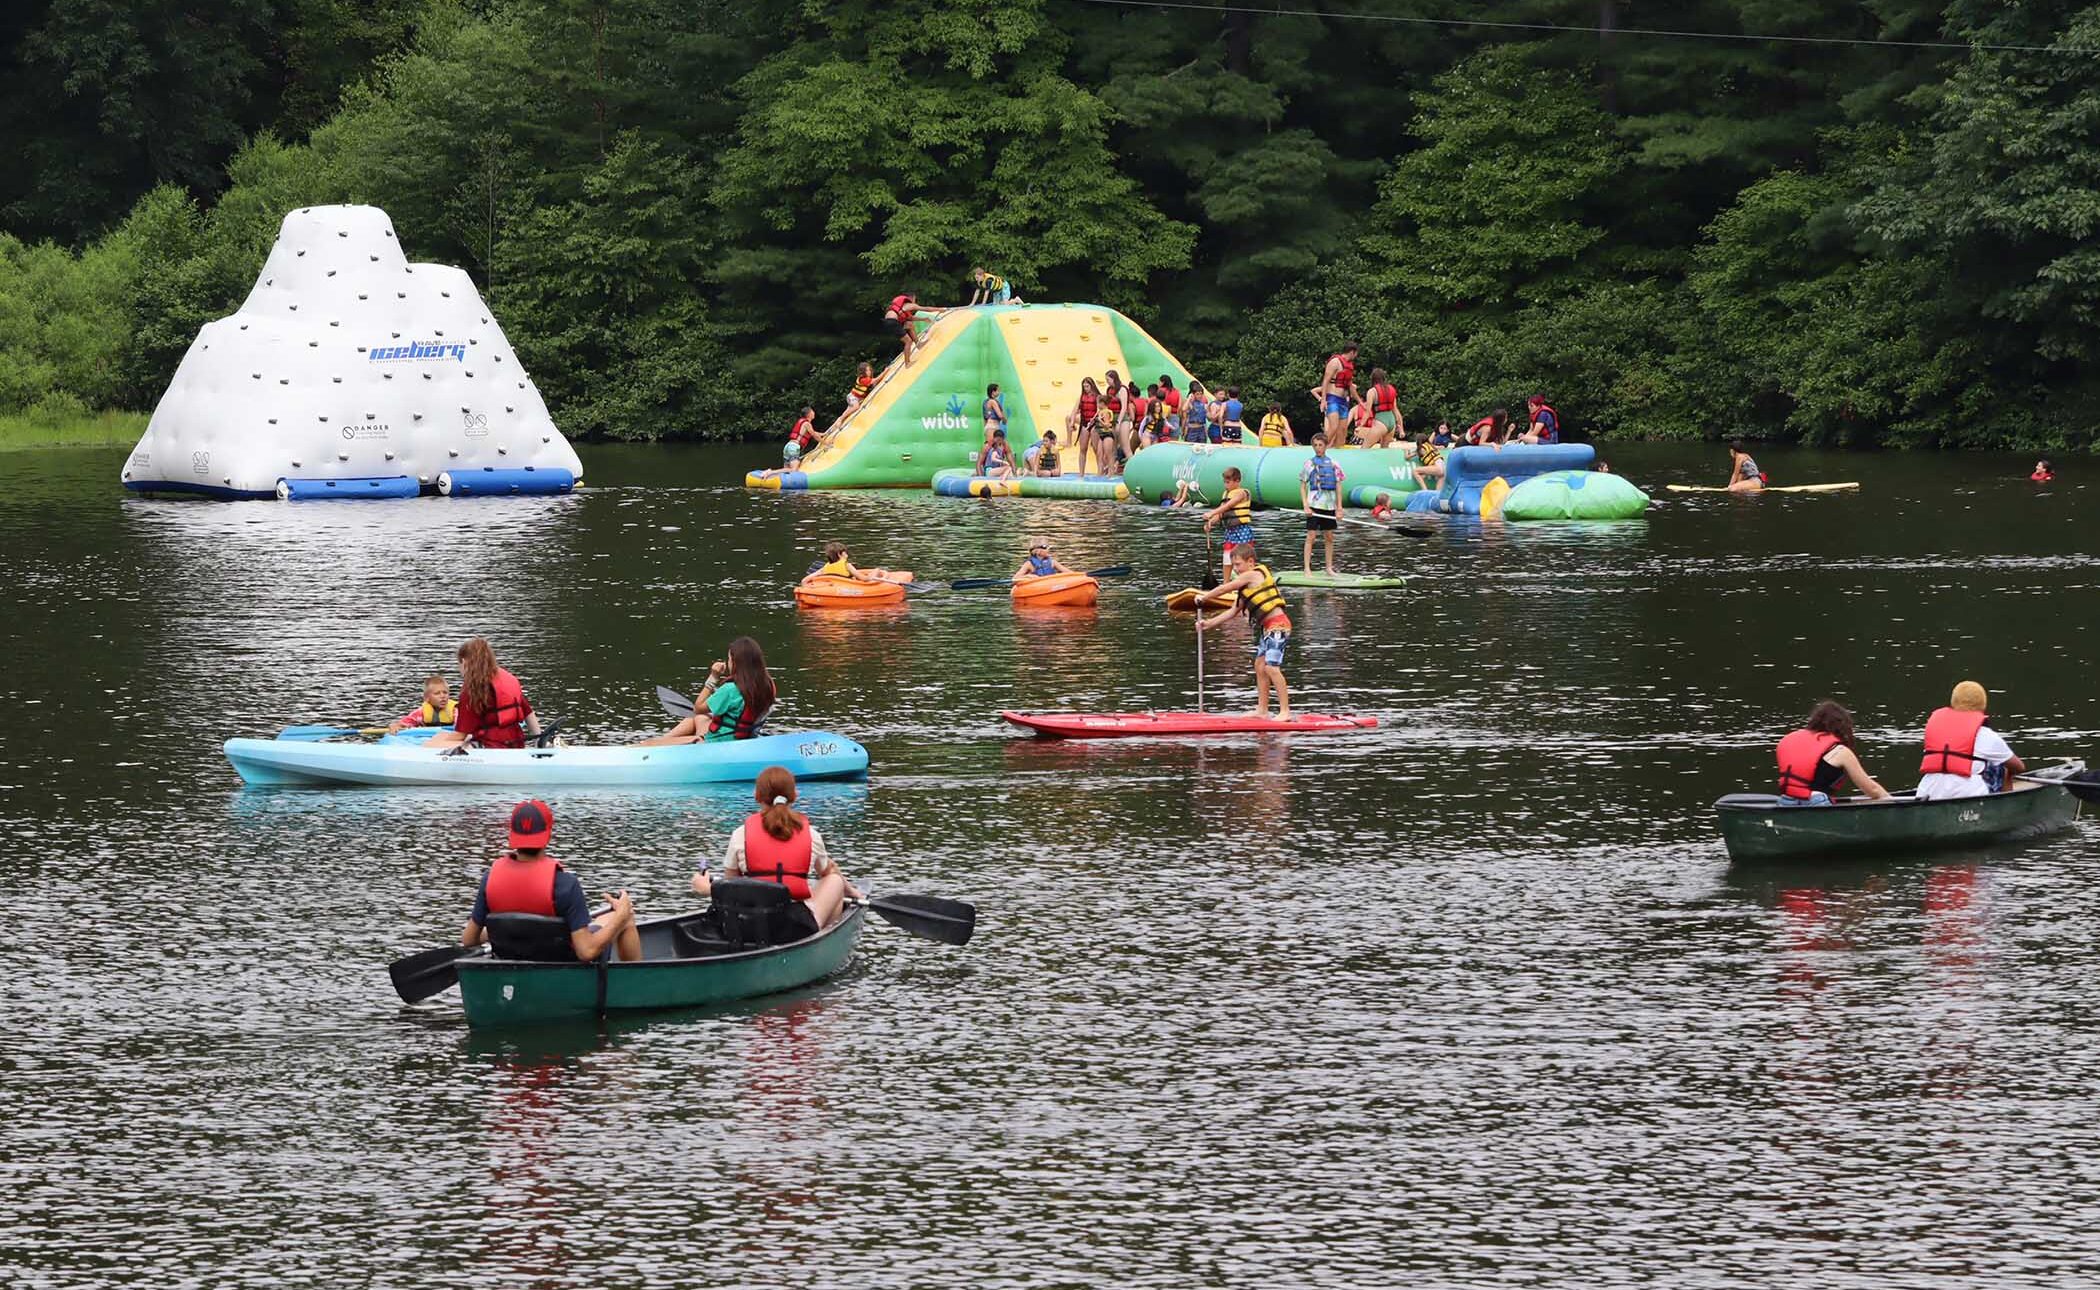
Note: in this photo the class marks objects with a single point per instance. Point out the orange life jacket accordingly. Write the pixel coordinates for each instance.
(517, 886)
(1800, 758)
(769, 859)
(1950, 742)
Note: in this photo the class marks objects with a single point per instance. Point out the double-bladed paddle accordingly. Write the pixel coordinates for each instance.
(932, 918)
(979, 584)
(314, 734)
(676, 706)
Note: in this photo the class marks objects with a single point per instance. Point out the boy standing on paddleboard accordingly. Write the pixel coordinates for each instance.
(1253, 588)
(1320, 496)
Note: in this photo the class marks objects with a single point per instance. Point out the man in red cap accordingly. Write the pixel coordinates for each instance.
(526, 880)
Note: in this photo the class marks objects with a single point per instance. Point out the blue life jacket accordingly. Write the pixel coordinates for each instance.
(1042, 565)
(1325, 478)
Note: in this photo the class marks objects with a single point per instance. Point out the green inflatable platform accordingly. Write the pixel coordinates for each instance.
(929, 417)
(1574, 495)
(1271, 474)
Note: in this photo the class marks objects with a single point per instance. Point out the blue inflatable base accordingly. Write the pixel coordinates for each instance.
(490, 481)
(315, 490)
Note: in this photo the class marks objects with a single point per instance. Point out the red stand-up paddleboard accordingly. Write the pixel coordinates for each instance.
(1137, 725)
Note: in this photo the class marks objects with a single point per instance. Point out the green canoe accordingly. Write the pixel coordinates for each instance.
(685, 963)
(1755, 827)
(1337, 581)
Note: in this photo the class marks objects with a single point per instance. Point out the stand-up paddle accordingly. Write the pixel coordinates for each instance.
(1199, 658)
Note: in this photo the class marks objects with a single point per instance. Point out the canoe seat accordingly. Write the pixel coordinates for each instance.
(750, 914)
(533, 938)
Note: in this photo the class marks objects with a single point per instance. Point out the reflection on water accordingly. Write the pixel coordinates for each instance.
(1472, 997)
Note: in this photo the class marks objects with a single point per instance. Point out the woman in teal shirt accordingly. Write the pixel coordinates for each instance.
(733, 702)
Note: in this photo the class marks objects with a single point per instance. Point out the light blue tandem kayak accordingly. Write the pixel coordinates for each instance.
(813, 754)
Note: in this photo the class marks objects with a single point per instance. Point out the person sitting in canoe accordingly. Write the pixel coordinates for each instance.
(1813, 759)
(437, 710)
(1236, 512)
(526, 880)
(1743, 474)
(777, 843)
(1040, 563)
(1964, 757)
(1252, 588)
(733, 701)
(493, 709)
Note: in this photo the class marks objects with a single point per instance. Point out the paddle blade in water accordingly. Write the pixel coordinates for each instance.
(419, 976)
(1112, 571)
(948, 921)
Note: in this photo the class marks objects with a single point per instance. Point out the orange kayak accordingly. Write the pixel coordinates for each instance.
(1055, 589)
(829, 591)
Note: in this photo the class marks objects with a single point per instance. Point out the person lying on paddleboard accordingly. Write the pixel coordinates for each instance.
(778, 844)
(1252, 590)
(493, 709)
(1814, 759)
(526, 880)
(1040, 563)
(1964, 757)
(1743, 474)
(437, 710)
(1236, 513)
(733, 701)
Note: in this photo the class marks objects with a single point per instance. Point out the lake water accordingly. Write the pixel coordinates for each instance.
(1473, 998)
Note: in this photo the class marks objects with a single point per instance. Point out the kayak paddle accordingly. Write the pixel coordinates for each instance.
(929, 917)
(979, 584)
(420, 976)
(676, 706)
(313, 734)
(1409, 530)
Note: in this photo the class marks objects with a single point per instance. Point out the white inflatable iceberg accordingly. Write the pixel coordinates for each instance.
(349, 372)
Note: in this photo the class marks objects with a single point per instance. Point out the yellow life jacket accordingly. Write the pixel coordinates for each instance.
(1272, 430)
(444, 716)
(839, 568)
(1264, 599)
(1242, 511)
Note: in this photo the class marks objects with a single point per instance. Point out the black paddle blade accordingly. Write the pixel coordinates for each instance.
(676, 706)
(1112, 571)
(948, 921)
(419, 976)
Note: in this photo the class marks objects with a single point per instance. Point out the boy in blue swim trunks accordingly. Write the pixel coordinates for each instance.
(1252, 588)
(1236, 512)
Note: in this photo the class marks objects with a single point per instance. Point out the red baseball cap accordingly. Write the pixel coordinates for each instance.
(531, 825)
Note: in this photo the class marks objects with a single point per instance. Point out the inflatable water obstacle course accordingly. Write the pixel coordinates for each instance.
(922, 420)
(350, 373)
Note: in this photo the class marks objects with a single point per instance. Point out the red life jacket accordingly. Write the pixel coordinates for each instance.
(804, 433)
(903, 308)
(1344, 376)
(746, 720)
(1140, 406)
(517, 886)
(861, 386)
(503, 726)
(1950, 742)
(1089, 406)
(1800, 758)
(1479, 430)
(769, 859)
(1384, 398)
(2041, 476)
(1546, 410)
(1114, 399)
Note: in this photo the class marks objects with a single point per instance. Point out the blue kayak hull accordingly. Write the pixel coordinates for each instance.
(814, 754)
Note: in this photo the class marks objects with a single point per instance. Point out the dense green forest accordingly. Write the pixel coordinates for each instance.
(1855, 224)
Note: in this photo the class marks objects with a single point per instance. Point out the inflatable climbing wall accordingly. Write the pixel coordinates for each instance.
(929, 417)
(349, 372)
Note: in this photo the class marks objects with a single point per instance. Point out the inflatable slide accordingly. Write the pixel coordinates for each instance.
(929, 417)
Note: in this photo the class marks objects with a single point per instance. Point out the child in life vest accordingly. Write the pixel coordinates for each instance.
(2042, 473)
(1041, 458)
(998, 460)
(1039, 562)
(1383, 511)
(863, 385)
(838, 564)
(437, 710)
(1252, 589)
(777, 843)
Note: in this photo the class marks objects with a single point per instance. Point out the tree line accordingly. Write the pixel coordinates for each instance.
(1850, 225)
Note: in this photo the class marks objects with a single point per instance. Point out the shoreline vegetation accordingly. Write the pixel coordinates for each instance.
(38, 428)
(1793, 224)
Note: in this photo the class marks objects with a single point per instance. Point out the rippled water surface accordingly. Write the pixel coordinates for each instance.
(1473, 998)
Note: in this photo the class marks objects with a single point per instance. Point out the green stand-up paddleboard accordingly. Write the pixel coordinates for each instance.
(1338, 581)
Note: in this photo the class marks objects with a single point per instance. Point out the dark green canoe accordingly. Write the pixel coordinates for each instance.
(1755, 827)
(684, 964)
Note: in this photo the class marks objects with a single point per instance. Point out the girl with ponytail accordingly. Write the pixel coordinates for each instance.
(777, 843)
